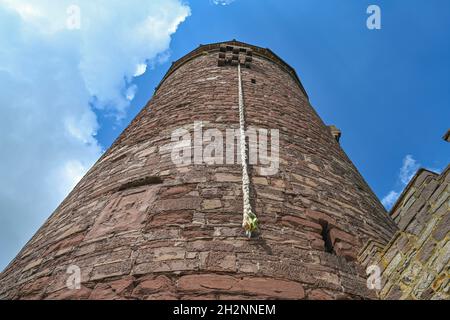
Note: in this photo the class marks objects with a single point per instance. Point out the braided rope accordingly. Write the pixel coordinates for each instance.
(250, 221)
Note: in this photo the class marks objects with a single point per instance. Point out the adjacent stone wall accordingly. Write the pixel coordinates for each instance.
(141, 228)
(416, 263)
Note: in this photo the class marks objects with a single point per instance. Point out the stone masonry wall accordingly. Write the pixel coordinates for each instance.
(416, 262)
(139, 227)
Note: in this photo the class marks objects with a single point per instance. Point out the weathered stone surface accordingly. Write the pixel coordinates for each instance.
(260, 180)
(178, 204)
(122, 285)
(169, 218)
(415, 261)
(297, 222)
(223, 177)
(80, 294)
(33, 264)
(166, 266)
(339, 235)
(168, 253)
(443, 228)
(264, 287)
(103, 292)
(427, 250)
(108, 270)
(177, 190)
(211, 204)
(320, 295)
(155, 285)
(124, 212)
(221, 261)
(273, 288)
(198, 283)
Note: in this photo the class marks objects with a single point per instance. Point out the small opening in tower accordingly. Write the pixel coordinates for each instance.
(326, 236)
(150, 180)
(253, 81)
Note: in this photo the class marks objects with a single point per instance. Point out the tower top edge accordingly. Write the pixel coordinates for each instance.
(258, 51)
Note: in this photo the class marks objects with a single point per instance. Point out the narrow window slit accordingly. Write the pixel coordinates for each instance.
(326, 236)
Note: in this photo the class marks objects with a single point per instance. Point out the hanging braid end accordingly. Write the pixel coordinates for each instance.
(250, 224)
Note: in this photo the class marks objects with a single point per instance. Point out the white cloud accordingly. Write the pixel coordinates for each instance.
(131, 92)
(48, 77)
(389, 200)
(222, 2)
(407, 171)
(140, 69)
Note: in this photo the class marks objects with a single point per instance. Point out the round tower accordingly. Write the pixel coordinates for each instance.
(162, 214)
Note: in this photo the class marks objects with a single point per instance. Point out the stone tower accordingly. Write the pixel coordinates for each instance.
(142, 225)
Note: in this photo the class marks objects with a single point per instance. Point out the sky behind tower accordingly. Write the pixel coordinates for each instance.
(67, 93)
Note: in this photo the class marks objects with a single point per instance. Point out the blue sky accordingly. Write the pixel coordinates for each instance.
(387, 90)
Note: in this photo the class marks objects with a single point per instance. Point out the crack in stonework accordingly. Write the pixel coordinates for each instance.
(250, 221)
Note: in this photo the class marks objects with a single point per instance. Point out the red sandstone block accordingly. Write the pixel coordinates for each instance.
(206, 282)
(178, 204)
(318, 244)
(170, 218)
(122, 285)
(153, 285)
(103, 292)
(35, 286)
(177, 190)
(197, 232)
(168, 253)
(317, 216)
(166, 266)
(200, 297)
(235, 297)
(281, 289)
(345, 250)
(221, 261)
(297, 222)
(66, 243)
(109, 270)
(319, 295)
(65, 294)
(339, 235)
